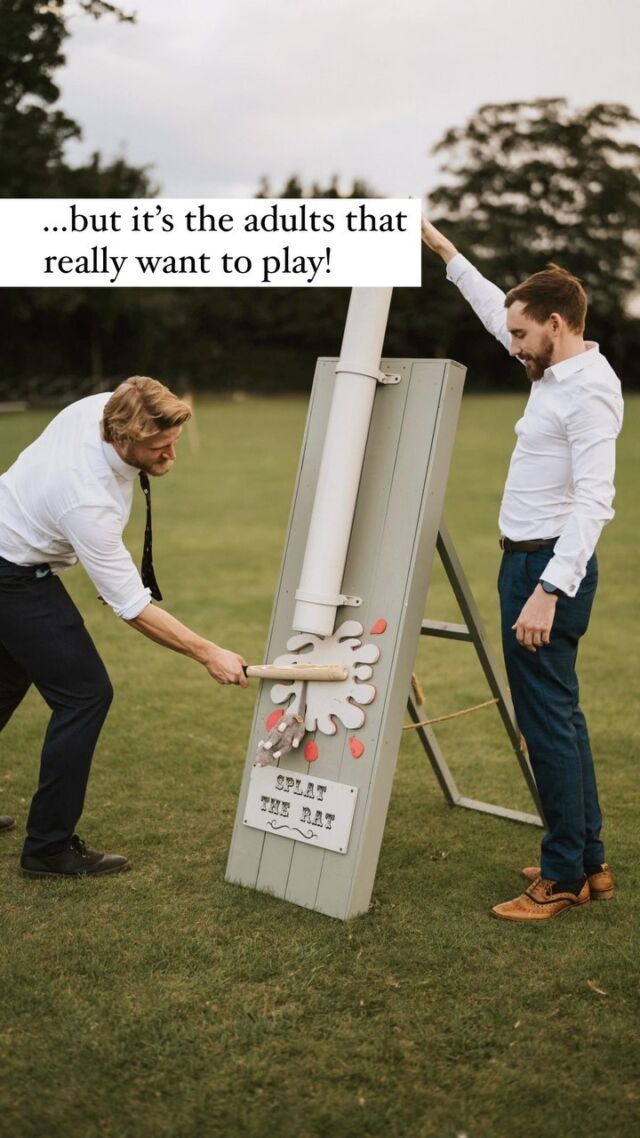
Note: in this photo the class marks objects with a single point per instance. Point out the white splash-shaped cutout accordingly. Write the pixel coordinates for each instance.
(326, 702)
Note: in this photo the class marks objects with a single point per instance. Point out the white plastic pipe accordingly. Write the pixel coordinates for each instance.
(319, 592)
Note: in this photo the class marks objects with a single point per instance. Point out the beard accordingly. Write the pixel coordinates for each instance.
(537, 364)
(156, 469)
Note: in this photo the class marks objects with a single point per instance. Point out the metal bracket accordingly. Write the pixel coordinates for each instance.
(379, 376)
(332, 599)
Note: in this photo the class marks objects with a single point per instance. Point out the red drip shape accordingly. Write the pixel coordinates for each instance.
(274, 718)
(356, 746)
(378, 628)
(311, 751)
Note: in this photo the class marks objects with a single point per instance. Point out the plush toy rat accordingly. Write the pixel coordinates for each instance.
(287, 733)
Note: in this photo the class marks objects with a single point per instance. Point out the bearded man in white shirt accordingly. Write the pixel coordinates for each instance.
(67, 498)
(557, 498)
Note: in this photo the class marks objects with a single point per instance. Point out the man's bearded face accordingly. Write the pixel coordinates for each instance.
(155, 455)
(531, 342)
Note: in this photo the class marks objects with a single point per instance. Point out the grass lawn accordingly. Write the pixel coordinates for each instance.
(167, 1003)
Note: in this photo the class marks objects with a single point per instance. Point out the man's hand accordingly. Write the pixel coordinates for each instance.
(225, 667)
(533, 626)
(437, 242)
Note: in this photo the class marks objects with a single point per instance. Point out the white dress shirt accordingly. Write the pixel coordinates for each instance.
(560, 480)
(67, 498)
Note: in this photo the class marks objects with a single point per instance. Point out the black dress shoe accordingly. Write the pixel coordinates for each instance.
(78, 860)
(6, 823)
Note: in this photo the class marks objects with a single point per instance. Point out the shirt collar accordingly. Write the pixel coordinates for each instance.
(574, 364)
(117, 464)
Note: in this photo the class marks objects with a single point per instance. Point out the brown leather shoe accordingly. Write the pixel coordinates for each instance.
(600, 883)
(7, 823)
(539, 902)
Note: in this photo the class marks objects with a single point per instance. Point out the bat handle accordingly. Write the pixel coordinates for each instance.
(304, 672)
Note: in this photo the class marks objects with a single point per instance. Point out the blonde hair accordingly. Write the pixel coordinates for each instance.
(141, 407)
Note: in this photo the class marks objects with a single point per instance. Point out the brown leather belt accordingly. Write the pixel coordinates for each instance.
(532, 546)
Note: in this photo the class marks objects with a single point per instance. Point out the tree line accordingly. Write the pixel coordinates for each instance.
(523, 183)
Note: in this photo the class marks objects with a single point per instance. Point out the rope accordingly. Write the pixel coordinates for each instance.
(452, 715)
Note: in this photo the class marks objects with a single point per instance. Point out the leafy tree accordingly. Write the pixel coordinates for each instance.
(32, 136)
(53, 331)
(100, 179)
(294, 188)
(33, 131)
(535, 181)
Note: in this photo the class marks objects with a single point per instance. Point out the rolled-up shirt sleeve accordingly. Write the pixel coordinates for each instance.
(95, 534)
(592, 427)
(486, 299)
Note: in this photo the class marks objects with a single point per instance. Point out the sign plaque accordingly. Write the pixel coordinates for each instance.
(316, 811)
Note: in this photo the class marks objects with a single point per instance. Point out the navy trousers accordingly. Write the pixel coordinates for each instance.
(43, 641)
(545, 693)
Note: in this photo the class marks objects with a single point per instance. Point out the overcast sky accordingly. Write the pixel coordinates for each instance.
(217, 93)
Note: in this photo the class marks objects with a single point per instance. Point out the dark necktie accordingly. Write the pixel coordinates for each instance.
(147, 572)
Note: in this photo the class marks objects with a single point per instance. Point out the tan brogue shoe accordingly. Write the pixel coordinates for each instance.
(600, 884)
(540, 902)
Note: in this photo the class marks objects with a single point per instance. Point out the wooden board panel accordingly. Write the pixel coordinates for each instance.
(389, 563)
(247, 844)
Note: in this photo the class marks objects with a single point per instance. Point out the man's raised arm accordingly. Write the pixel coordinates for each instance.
(486, 299)
(437, 242)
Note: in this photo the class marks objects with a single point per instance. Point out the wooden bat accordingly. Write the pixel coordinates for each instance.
(326, 673)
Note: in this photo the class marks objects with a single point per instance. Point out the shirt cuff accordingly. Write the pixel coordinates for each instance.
(456, 267)
(133, 608)
(563, 577)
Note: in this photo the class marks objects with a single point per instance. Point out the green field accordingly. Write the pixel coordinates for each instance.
(167, 1003)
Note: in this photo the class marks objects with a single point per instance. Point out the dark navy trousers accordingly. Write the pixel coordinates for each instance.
(545, 693)
(43, 641)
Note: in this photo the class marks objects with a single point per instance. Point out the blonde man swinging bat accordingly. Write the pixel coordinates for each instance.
(67, 498)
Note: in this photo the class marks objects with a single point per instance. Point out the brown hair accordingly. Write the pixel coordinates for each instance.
(552, 290)
(141, 407)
